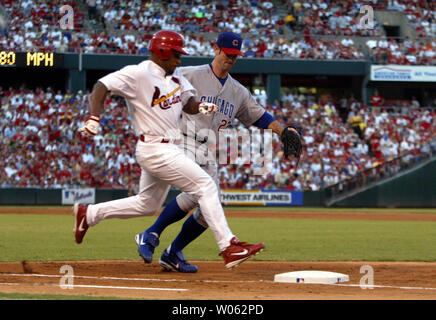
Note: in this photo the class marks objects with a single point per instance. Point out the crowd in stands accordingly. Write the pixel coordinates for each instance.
(303, 48)
(328, 18)
(129, 25)
(421, 15)
(42, 148)
(38, 128)
(38, 16)
(407, 52)
(343, 17)
(126, 27)
(259, 17)
(257, 21)
(268, 46)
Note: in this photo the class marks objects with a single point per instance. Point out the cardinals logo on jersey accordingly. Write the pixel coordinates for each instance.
(165, 101)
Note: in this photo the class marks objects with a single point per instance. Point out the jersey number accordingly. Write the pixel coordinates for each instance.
(224, 124)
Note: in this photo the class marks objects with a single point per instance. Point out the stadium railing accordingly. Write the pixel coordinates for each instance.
(380, 172)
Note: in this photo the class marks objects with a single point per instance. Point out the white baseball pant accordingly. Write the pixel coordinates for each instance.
(200, 153)
(162, 165)
(187, 202)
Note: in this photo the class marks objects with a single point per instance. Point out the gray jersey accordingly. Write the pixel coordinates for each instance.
(233, 101)
(232, 98)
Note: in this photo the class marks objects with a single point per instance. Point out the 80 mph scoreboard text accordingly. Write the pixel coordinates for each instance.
(30, 59)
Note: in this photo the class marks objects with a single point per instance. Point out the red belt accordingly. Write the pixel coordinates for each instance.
(141, 137)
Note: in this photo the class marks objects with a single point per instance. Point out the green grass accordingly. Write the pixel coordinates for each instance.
(28, 296)
(50, 237)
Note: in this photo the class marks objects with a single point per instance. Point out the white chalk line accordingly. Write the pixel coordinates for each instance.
(83, 285)
(94, 287)
(368, 286)
(122, 288)
(128, 279)
(66, 286)
(209, 281)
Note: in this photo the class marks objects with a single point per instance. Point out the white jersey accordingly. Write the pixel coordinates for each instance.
(232, 98)
(154, 101)
(155, 107)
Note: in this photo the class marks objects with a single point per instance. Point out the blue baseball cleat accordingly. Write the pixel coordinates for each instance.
(176, 261)
(146, 243)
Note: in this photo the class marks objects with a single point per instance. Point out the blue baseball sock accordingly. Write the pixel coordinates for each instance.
(170, 214)
(191, 230)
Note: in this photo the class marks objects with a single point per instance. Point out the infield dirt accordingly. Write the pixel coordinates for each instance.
(253, 280)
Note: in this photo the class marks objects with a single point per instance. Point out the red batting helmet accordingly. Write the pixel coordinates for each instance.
(164, 41)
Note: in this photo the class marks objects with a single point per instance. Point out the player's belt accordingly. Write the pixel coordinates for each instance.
(197, 138)
(142, 138)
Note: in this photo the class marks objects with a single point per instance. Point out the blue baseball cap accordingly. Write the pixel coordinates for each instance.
(230, 43)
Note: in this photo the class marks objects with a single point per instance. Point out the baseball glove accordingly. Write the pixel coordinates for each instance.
(292, 142)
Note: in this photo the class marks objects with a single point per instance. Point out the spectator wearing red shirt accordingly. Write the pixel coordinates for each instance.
(377, 100)
(86, 175)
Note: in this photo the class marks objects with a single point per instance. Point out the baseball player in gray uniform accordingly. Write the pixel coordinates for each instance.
(215, 85)
(156, 96)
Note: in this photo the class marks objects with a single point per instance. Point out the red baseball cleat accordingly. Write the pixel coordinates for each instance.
(80, 224)
(238, 252)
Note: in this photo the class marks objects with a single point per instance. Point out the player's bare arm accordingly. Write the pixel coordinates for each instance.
(96, 102)
(276, 127)
(191, 107)
(98, 96)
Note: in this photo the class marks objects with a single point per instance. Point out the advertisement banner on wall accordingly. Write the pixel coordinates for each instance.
(85, 195)
(403, 73)
(261, 198)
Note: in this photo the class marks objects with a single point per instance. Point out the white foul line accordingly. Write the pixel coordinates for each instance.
(368, 286)
(126, 288)
(94, 286)
(128, 279)
(84, 286)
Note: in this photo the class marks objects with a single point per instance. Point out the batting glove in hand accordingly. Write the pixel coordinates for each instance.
(207, 108)
(91, 126)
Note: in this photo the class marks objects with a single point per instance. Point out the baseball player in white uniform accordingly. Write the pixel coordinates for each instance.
(156, 96)
(215, 85)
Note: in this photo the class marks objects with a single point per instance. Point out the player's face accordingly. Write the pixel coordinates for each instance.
(226, 61)
(171, 64)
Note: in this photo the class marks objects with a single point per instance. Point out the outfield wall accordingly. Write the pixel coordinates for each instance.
(413, 193)
(404, 194)
(35, 196)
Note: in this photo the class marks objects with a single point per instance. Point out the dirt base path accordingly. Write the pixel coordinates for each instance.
(252, 280)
